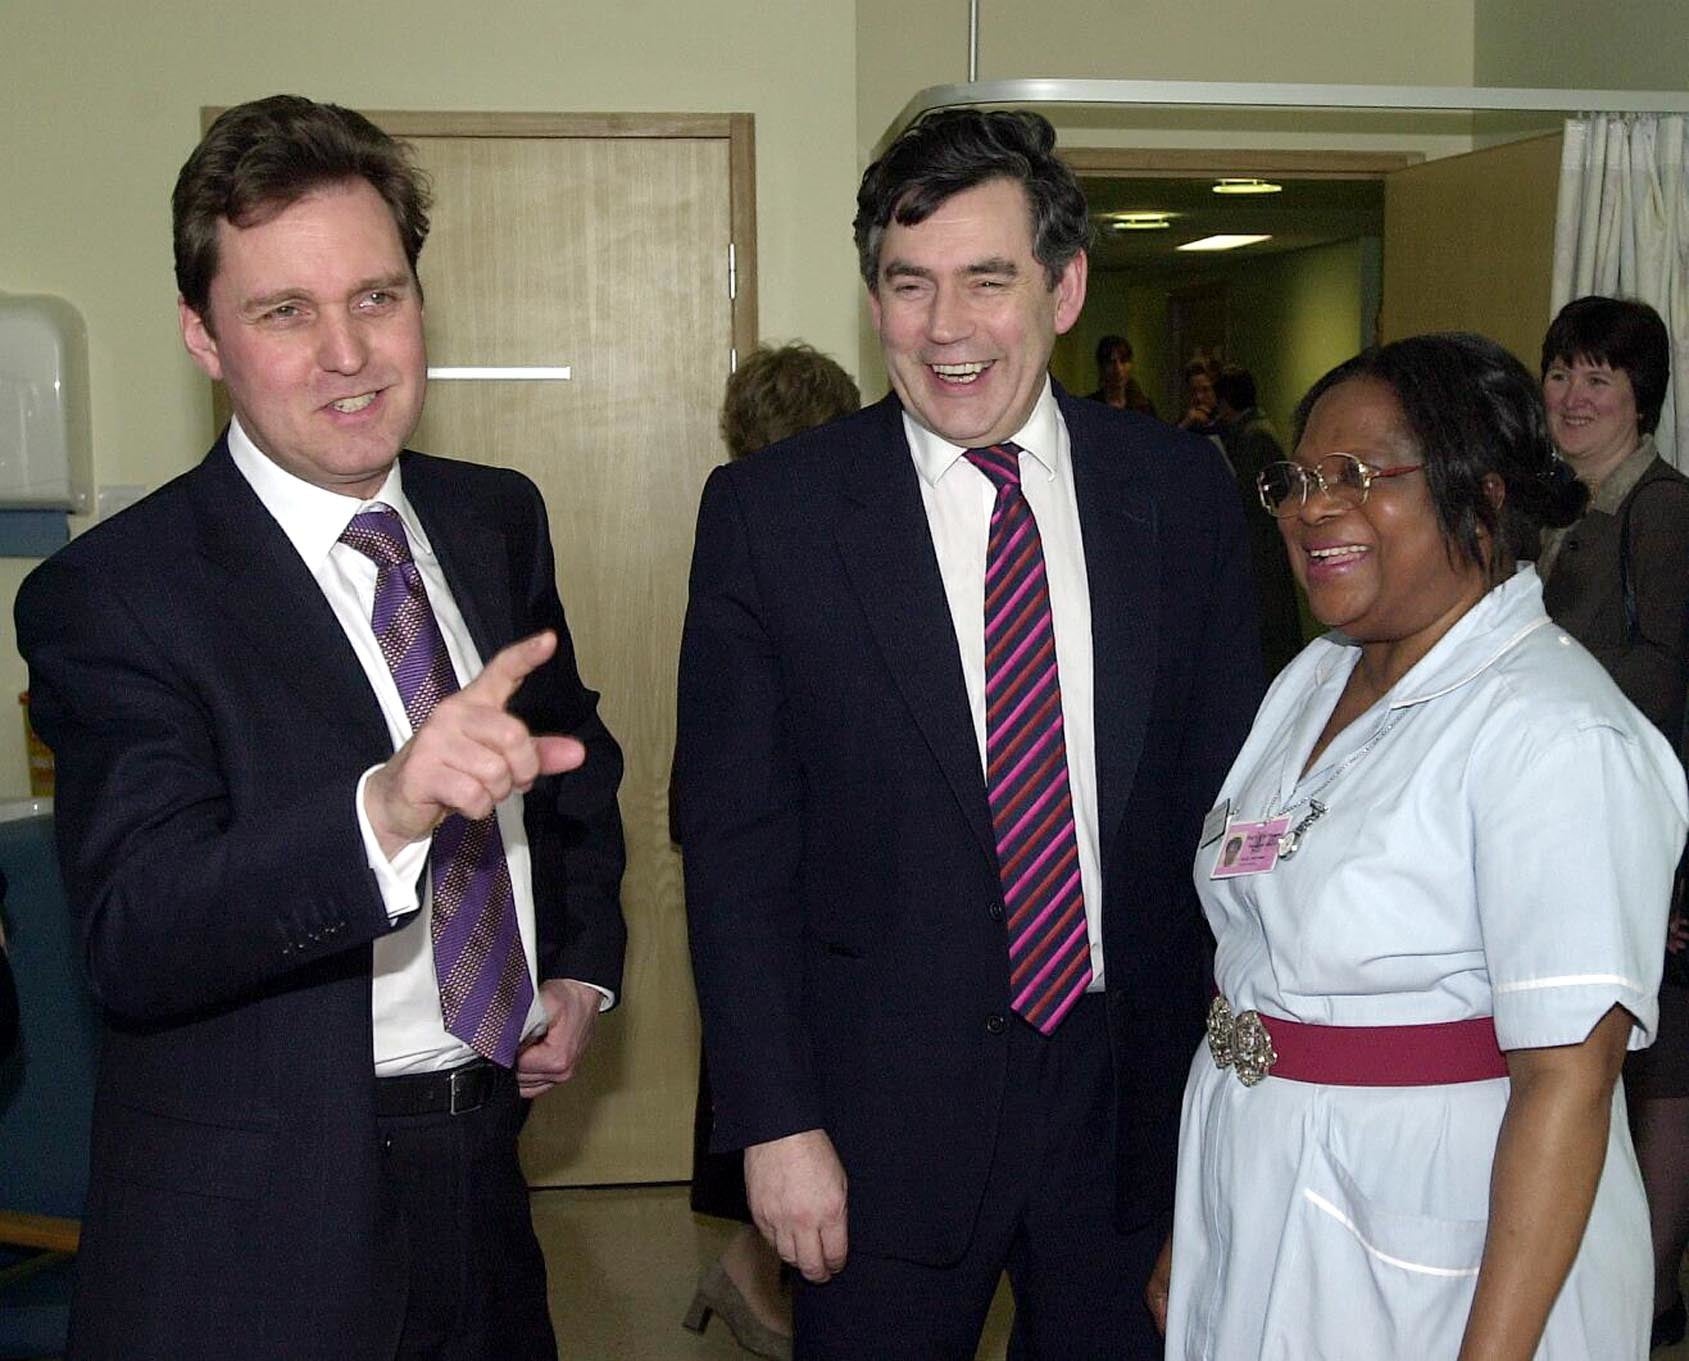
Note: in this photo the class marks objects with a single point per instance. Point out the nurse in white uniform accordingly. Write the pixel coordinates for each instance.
(1438, 877)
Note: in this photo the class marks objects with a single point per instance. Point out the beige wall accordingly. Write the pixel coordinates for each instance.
(99, 103)
(903, 46)
(1631, 45)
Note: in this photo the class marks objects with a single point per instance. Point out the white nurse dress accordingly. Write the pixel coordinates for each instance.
(1500, 835)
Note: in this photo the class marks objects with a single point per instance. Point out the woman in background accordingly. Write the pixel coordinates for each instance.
(1116, 386)
(1443, 931)
(1618, 582)
(772, 395)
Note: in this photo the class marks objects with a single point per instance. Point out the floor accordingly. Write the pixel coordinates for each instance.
(623, 1262)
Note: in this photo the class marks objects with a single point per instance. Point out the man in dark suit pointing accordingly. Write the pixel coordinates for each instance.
(336, 814)
(960, 677)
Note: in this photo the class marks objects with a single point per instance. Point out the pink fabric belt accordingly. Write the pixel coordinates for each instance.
(1255, 1046)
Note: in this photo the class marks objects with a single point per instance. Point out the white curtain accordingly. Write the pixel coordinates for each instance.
(1622, 229)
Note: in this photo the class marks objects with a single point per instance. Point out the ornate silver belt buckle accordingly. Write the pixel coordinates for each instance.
(1240, 1042)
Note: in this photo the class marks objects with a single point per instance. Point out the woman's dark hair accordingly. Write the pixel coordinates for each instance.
(1471, 409)
(953, 150)
(1623, 334)
(1109, 346)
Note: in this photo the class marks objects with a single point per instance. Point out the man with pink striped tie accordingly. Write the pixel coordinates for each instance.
(960, 676)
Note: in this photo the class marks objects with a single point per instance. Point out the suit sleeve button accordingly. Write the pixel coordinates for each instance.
(996, 1024)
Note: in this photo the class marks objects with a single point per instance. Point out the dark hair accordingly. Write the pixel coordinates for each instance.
(777, 393)
(1470, 409)
(1235, 386)
(952, 150)
(260, 158)
(1109, 346)
(1621, 333)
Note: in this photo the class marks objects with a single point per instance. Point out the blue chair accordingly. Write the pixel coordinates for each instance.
(46, 1091)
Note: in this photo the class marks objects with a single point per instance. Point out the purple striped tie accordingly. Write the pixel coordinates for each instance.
(485, 991)
(1026, 760)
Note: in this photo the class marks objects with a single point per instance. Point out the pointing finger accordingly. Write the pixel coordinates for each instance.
(502, 677)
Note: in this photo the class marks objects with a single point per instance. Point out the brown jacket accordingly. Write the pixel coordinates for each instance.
(1647, 656)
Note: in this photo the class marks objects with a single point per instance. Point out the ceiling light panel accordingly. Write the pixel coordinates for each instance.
(1222, 242)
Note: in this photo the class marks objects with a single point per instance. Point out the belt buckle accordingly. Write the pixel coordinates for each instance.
(1240, 1042)
(472, 1099)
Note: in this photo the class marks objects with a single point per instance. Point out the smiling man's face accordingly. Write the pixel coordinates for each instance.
(967, 317)
(315, 324)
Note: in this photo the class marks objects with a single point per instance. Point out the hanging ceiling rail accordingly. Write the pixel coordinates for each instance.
(1042, 90)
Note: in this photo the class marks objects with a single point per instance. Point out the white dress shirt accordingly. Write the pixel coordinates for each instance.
(410, 1036)
(958, 499)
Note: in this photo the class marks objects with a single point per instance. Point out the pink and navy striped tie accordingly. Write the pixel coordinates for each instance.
(1026, 761)
(485, 991)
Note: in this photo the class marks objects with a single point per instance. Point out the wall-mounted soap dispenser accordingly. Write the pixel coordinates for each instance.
(46, 448)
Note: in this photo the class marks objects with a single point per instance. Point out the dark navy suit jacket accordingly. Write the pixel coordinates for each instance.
(841, 877)
(210, 723)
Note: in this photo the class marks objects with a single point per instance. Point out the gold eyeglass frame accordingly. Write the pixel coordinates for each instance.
(1307, 478)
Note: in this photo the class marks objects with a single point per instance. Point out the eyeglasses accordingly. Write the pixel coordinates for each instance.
(1284, 487)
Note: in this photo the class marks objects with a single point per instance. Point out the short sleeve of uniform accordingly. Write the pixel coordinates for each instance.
(1576, 839)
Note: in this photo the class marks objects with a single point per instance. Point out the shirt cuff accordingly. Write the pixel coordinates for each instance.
(605, 993)
(400, 878)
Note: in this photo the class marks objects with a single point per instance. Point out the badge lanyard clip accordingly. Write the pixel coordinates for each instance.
(1291, 841)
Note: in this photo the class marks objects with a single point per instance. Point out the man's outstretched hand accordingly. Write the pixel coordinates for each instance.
(469, 755)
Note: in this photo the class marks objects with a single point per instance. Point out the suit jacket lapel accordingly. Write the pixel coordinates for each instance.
(1122, 567)
(271, 598)
(888, 554)
(471, 552)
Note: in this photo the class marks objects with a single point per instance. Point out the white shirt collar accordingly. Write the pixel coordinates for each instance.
(1039, 438)
(1506, 615)
(313, 517)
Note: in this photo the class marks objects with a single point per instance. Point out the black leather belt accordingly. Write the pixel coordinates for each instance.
(453, 1091)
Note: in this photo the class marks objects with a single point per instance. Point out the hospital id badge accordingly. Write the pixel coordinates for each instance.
(1249, 848)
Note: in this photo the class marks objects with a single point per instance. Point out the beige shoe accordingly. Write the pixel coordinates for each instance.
(716, 1294)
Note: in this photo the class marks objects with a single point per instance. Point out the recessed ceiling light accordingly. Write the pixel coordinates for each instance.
(1140, 222)
(1222, 242)
(1247, 187)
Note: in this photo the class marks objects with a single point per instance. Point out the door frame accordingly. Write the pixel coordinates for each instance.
(1202, 163)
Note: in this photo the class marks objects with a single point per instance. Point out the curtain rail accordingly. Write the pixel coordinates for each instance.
(1245, 94)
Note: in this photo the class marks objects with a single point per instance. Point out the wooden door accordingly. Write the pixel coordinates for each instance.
(1469, 245)
(601, 245)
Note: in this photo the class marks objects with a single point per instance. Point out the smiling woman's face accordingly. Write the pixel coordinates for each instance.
(1591, 415)
(1381, 571)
